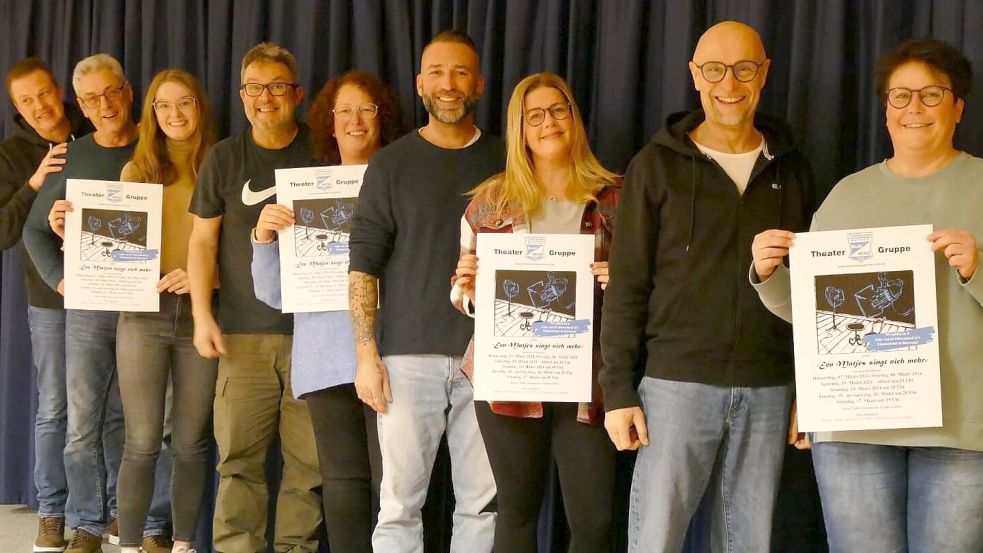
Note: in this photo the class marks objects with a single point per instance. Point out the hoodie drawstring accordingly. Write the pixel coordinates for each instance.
(692, 203)
(781, 194)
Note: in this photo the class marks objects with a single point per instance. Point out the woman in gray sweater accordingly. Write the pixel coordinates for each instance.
(918, 489)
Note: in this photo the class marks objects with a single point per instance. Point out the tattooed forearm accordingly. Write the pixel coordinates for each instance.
(363, 301)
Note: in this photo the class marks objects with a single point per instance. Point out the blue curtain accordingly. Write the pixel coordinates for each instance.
(625, 59)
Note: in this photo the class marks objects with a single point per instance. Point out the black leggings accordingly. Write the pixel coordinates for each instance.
(519, 450)
(351, 465)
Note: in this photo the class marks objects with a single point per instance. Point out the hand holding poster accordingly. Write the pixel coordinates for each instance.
(534, 304)
(314, 251)
(112, 245)
(864, 321)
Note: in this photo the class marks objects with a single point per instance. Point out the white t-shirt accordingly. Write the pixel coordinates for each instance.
(737, 166)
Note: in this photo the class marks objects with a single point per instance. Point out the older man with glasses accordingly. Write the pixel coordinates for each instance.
(253, 400)
(95, 417)
(710, 415)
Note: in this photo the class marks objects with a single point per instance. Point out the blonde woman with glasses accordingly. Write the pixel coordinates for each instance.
(552, 184)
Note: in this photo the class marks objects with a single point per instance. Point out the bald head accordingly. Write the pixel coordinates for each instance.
(729, 41)
(729, 69)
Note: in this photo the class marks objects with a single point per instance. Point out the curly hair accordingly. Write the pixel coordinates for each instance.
(320, 118)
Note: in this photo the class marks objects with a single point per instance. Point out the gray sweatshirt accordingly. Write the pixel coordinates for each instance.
(949, 199)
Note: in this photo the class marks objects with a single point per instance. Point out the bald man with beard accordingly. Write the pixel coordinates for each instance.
(710, 416)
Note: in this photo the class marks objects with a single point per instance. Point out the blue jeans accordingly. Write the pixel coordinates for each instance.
(431, 396)
(94, 447)
(48, 346)
(728, 442)
(95, 419)
(880, 498)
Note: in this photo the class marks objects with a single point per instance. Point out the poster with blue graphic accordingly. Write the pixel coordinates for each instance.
(314, 251)
(112, 245)
(865, 329)
(534, 305)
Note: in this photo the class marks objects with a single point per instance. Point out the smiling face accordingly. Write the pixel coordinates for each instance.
(109, 116)
(268, 113)
(917, 128)
(176, 110)
(550, 140)
(729, 103)
(40, 101)
(358, 135)
(449, 83)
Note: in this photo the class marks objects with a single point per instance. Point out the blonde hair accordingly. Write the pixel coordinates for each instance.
(518, 187)
(150, 160)
(93, 63)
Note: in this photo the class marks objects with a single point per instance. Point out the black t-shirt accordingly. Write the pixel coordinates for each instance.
(235, 181)
(407, 231)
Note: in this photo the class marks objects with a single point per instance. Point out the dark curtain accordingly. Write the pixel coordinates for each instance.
(625, 59)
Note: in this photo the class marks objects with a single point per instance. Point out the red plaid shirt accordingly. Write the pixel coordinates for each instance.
(598, 219)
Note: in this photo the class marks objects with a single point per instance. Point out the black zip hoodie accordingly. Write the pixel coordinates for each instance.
(679, 264)
(20, 156)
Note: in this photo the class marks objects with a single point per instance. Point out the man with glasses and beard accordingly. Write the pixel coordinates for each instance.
(404, 247)
(714, 401)
(253, 399)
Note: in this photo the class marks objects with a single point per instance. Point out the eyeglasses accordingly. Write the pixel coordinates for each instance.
(276, 89)
(535, 116)
(111, 95)
(346, 111)
(744, 71)
(184, 105)
(930, 96)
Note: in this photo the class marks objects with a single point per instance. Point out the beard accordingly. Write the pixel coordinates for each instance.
(450, 116)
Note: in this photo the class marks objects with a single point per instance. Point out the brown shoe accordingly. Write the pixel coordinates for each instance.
(157, 544)
(51, 535)
(84, 542)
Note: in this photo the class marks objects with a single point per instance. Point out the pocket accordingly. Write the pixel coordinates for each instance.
(672, 308)
(221, 383)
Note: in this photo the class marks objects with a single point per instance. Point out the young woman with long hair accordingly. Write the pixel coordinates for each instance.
(155, 349)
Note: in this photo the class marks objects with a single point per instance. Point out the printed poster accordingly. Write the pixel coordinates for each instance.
(112, 245)
(534, 304)
(865, 329)
(314, 252)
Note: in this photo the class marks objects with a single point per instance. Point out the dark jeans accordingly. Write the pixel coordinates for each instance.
(154, 348)
(519, 450)
(348, 448)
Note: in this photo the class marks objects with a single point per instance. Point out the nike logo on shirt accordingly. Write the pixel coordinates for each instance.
(252, 198)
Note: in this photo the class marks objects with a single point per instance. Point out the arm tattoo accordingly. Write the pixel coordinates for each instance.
(363, 301)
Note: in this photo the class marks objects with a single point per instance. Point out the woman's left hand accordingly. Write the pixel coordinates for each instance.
(600, 270)
(175, 282)
(959, 248)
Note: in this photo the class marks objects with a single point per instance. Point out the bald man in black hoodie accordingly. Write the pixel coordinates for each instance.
(714, 400)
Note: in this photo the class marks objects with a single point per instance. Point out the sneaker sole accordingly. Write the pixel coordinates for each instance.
(40, 549)
(113, 540)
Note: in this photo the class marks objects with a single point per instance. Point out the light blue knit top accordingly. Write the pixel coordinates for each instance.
(323, 352)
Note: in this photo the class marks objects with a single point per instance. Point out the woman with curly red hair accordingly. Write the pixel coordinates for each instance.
(353, 116)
